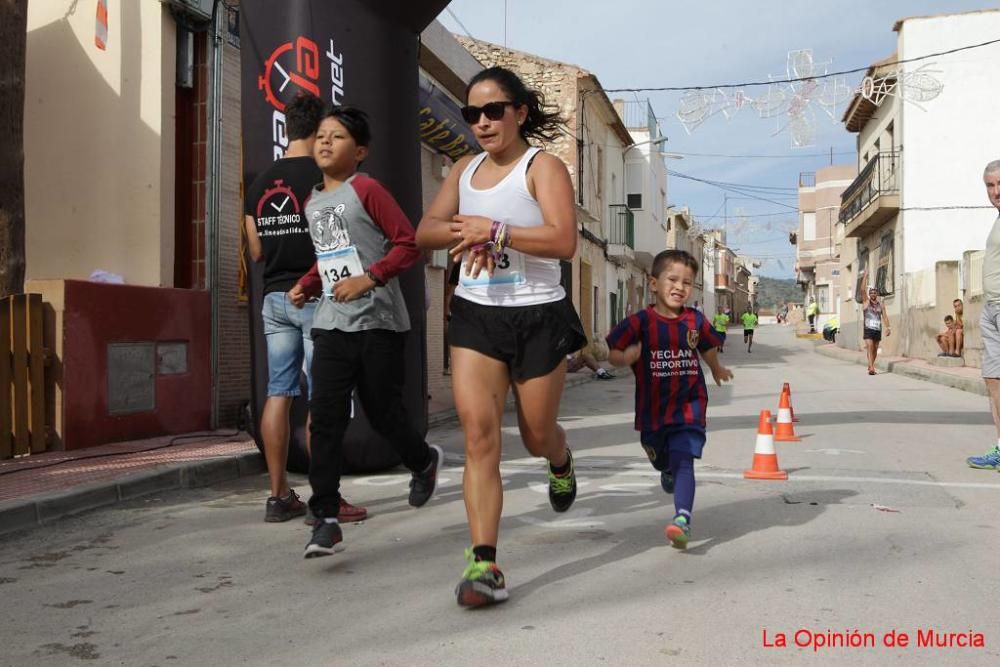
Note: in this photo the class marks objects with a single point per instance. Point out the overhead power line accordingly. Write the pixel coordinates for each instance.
(729, 188)
(459, 22)
(776, 157)
(750, 215)
(829, 75)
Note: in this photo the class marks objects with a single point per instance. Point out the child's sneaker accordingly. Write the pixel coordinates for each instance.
(678, 532)
(988, 461)
(327, 539)
(667, 481)
(423, 485)
(482, 583)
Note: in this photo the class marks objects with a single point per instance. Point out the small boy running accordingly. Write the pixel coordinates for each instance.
(749, 324)
(363, 240)
(662, 345)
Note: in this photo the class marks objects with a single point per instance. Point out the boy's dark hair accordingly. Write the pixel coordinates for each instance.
(668, 257)
(540, 124)
(948, 318)
(302, 116)
(354, 120)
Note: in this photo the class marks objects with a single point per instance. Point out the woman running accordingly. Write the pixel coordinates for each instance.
(508, 215)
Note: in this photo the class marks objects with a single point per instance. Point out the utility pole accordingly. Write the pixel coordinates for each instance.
(725, 218)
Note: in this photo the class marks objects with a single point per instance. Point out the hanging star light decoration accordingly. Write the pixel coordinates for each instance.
(793, 102)
(807, 85)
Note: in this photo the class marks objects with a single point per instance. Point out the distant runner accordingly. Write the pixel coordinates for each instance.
(749, 324)
(720, 321)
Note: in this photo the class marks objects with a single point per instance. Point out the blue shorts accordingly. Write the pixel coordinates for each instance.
(289, 344)
(681, 439)
(720, 334)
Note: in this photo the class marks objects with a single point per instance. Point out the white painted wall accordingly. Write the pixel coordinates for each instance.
(946, 147)
(99, 142)
(650, 221)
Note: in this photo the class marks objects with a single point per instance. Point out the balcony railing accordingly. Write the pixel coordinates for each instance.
(879, 178)
(621, 227)
(638, 115)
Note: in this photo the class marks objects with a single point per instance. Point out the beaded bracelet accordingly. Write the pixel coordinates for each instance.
(499, 240)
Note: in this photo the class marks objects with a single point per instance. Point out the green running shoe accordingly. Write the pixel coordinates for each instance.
(678, 531)
(482, 583)
(562, 490)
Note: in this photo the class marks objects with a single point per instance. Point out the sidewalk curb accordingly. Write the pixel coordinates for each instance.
(32, 512)
(450, 416)
(905, 368)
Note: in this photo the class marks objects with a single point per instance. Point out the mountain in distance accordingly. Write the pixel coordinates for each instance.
(772, 292)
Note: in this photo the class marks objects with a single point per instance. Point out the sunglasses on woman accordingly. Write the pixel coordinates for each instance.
(493, 111)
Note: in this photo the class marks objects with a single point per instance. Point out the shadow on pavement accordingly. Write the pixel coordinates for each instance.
(716, 525)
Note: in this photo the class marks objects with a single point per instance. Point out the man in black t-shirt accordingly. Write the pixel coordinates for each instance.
(278, 235)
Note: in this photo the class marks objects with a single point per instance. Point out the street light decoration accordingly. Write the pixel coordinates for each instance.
(807, 85)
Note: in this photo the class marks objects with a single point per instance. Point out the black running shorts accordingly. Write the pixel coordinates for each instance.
(531, 340)
(873, 334)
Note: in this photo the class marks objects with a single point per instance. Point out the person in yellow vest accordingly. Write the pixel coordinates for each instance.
(720, 321)
(831, 329)
(811, 312)
(749, 324)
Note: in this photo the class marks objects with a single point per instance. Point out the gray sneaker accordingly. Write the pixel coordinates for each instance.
(327, 539)
(283, 509)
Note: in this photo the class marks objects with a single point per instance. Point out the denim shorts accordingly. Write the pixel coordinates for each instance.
(289, 344)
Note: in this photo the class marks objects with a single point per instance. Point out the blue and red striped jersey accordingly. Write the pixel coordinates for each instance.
(669, 385)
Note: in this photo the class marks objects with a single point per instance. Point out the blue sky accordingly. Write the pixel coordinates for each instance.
(650, 43)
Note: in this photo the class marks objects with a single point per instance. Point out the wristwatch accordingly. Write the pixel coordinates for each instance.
(374, 279)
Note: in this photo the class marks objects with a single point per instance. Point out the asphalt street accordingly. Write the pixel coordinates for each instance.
(881, 528)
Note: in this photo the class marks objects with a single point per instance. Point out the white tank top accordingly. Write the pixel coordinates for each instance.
(519, 279)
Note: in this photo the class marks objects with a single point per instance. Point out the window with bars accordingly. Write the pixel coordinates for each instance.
(883, 278)
(823, 298)
(860, 288)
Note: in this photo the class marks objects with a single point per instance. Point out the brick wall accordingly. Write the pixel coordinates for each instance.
(234, 336)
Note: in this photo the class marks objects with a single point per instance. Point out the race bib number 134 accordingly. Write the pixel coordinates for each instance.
(337, 265)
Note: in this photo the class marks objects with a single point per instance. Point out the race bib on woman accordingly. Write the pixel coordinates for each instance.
(509, 271)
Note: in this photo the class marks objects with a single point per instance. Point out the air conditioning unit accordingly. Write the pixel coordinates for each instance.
(199, 10)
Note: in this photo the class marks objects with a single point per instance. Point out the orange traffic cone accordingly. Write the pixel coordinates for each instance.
(788, 390)
(765, 461)
(784, 431)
